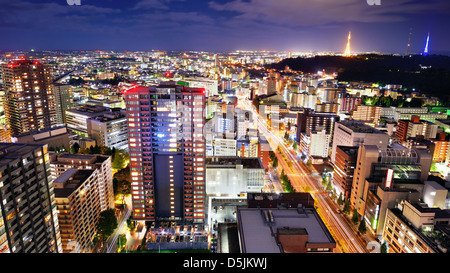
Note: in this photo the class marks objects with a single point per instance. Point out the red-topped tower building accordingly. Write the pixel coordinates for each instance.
(167, 152)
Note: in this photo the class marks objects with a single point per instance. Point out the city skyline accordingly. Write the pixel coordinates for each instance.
(225, 25)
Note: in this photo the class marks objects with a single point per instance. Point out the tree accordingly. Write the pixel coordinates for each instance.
(355, 217)
(118, 160)
(95, 149)
(346, 209)
(122, 182)
(362, 227)
(75, 148)
(272, 155)
(340, 200)
(275, 162)
(383, 248)
(121, 241)
(106, 223)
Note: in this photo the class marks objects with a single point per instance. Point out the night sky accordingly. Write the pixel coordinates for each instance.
(298, 25)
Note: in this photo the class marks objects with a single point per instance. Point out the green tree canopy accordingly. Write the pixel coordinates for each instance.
(107, 223)
(355, 217)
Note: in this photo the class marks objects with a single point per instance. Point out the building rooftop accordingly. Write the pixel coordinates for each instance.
(12, 151)
(70, 181)
(91, 158)
(349, 150)
(257, 233)
(223, 161)
(360, 127)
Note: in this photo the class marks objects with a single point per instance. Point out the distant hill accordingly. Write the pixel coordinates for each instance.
(427, 74)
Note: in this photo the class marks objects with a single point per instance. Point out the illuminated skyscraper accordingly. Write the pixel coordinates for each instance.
(167, 152)
(28, 214)
(347, 52)
(29, 102)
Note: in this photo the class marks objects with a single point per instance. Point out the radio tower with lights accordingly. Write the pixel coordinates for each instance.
(409, 44)
(347, 52)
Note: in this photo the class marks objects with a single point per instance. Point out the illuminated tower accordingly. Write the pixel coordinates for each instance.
(425, 51)
(347, 49)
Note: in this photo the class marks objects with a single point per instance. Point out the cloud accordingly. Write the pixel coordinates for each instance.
(24, 15)
(323, 12)
(153, 4)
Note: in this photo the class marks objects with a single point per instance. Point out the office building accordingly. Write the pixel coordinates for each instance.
(56, 137)
(319, 145)
(356, 133)
(29, 103)
(28, 218)
(109, 129)
(167, 152)
(78, 205)
(344, 168)
(308, 122)
(231, 175)
(374, 163)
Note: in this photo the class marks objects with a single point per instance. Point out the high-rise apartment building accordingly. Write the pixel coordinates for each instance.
(61, 163)
(344, 168)
(167, 152)
(63, 101)
(78, 204)
(28, 216)
(29, 102)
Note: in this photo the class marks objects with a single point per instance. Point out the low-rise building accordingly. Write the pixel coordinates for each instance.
(408, 229)
(282, 228)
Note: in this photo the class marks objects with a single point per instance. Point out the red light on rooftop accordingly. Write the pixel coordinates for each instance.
(168, 74)
(36, 62)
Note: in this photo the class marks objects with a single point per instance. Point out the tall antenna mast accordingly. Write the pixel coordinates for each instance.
(409, 43)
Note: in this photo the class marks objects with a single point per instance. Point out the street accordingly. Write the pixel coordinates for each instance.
(346, 238)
